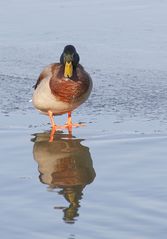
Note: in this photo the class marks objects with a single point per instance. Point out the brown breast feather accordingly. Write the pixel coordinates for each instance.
(69, 90)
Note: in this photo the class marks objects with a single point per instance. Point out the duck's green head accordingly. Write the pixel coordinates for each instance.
(70, 59)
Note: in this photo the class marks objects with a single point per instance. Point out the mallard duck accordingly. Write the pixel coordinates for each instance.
(62, 87)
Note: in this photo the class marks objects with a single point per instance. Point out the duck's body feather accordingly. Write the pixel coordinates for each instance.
(55, 93)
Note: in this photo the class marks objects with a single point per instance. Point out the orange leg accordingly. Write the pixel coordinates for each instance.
(53, 126)
(51, 119)
(52, 134)
(69, 119)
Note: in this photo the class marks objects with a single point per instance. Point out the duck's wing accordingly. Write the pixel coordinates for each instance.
(47, 71)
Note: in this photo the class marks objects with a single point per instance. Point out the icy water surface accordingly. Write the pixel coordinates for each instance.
(107, 179)
(98, 187)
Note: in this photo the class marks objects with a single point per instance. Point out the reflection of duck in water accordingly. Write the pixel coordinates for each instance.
(65, 163)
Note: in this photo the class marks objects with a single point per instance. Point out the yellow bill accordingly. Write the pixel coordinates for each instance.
(68, 69)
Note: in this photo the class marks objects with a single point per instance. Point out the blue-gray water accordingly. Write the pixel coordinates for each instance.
(107, 180)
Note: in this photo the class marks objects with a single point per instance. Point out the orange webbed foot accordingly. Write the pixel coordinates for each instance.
(69, 123)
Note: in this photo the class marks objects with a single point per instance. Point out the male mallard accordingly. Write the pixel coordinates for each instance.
(62, 87)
